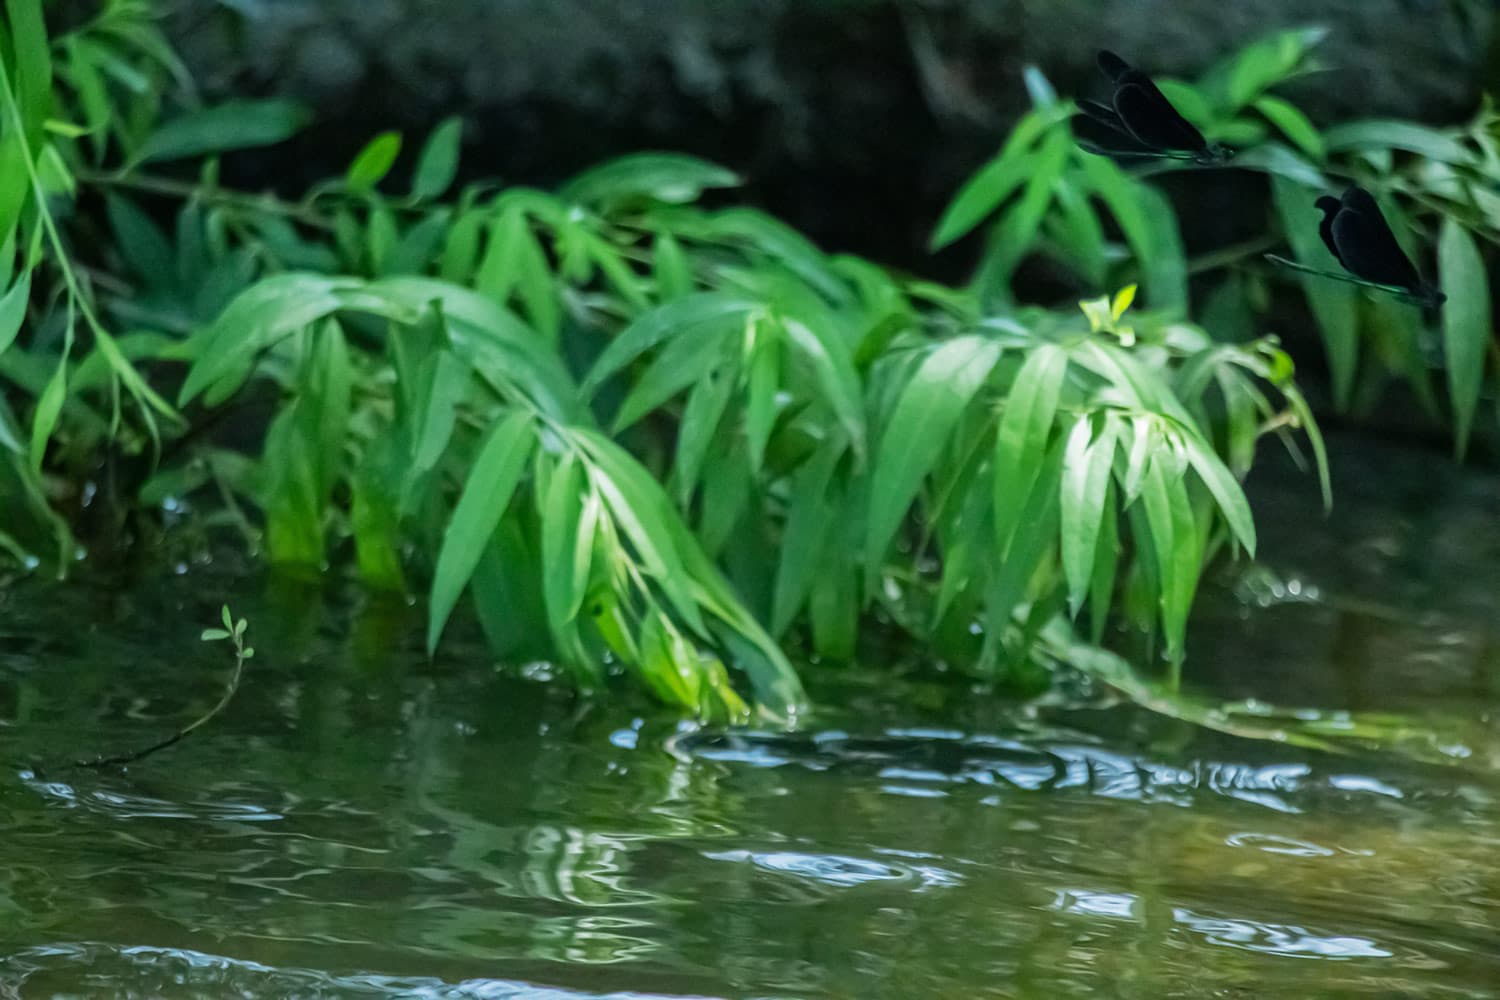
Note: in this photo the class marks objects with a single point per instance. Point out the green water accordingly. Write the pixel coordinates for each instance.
(360, 822)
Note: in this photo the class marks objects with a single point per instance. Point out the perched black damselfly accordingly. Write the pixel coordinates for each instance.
(1141, 122)
(1360, 239)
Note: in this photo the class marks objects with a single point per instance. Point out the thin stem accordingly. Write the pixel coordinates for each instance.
(181, 189)
(241, 654)
(143, 394)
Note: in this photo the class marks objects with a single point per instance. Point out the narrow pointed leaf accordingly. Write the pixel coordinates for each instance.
(1466, 324)
(224, 127)
(562, 534)
(924, 417)
(13, 310)
(1226, 490)
(683, 362)
(764, 383)
(492, 480)
(1085, 484)
(808, 523)
(695, 432)
(640, 507)
(1024, 430)
(1174, 543)
(437, 164)
(833, 367)
(373, 162)
(661, 324)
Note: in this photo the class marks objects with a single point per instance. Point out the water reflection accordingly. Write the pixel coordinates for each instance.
(362, 822)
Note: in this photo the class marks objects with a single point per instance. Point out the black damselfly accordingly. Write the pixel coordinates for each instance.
(1356, 233)
(1141, 122)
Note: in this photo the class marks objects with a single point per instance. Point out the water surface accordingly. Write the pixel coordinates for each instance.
(361, 822)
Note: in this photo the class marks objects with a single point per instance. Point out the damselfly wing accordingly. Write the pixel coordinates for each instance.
(1357, 234)
(1141, 121)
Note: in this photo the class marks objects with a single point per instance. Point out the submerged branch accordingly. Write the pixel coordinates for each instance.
(241, 654)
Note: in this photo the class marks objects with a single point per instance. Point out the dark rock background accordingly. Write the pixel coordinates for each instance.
(855, 120)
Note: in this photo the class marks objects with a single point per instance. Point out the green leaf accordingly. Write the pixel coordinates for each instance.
(1225, 489)
(764, 380)
(224, 127)
(504, 351)
(142, 244)
(1013, 238)
(925, 414)
(93, 98)
(506, 590)
(809, 523)
(1187, 99)
(13, 310)
(666, 664)
(567, 548)
(1241, 77)
(1174, 540)
(1024, 430)
(833, 367)
(695, 432)
(1150, 227)
(1017, 569)
(461, 251)
(375, 515)
(32, 55)
(1334, 303)
(381, 237)
(1293, 124)
(726, 494)
(674, 276)
(1143, 439)
(492, 480)
(643, 512)
(419, 245)
(258, 317)
(304, 450)
(988, 189)
(1466, 323)
(437, 164)
(1380, 134)
(445, 391)
(500, 268)
(1079, 231)
(1278, 159)
(48, 409)
(1085, 485)
(661, 323)
(684, 361)
(1309, 426)
(833, 606)
(1106, 564)
(538, 288)
(616, 272)
(373, 162)
(672, 178)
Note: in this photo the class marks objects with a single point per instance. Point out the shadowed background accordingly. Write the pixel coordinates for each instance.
(854, 120)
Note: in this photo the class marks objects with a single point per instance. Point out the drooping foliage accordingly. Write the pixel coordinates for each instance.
(631, 426)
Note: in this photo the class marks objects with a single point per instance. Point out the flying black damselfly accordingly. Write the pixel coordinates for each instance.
(1141, 122)
(1356, 233)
